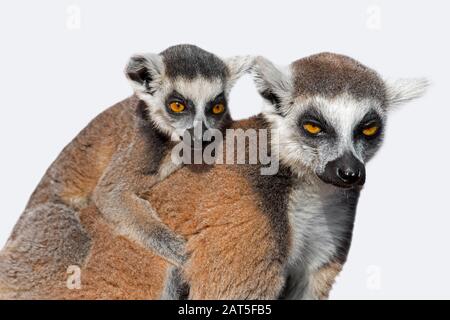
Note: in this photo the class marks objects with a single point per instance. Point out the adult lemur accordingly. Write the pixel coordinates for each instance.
(286, 235)
(123, 151)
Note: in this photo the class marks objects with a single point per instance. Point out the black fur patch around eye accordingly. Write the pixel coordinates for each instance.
(175, 96)
(312, 115)
(372, 118)
(220, 98)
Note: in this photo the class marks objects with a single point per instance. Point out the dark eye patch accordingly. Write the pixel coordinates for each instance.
(312, 115)
(371, 119)
(220, 98)
(371, 116)
(175, 96)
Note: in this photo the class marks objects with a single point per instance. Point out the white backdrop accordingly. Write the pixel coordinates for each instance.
(61, 64)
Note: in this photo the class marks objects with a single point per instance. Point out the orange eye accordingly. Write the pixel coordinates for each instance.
(368, 132)
(218, 108)
(177, 107)
(312, 128)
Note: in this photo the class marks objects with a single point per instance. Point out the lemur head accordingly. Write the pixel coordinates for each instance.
(330, 112)
(185, 86)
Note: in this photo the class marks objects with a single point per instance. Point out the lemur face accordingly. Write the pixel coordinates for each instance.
(330, 112)
(186, 88)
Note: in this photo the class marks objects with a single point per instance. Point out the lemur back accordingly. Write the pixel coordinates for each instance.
(73, 176)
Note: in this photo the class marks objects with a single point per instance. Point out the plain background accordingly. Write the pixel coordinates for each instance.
(61, 64)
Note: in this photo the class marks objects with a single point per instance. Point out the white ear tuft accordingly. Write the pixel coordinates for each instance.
(144, 72)
(273, 83)
(404, 90)
(238, 66)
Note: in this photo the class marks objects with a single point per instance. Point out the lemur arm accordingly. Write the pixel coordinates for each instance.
(117, 196)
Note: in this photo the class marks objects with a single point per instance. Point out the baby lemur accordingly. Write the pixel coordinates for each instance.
(125, 150)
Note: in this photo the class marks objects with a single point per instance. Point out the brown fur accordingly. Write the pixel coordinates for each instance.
(330, 74)
(234, 250)
(117, 268)
(234, 253)
(324, 278)
(49, 235)
(232, 241)
(73, 176)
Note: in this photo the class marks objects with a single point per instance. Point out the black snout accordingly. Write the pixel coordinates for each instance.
(349, 175)
(345, 172)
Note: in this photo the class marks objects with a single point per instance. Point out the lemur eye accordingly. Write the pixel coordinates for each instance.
(312, 128)
(177, 107)
(218, 108)
(370, 131)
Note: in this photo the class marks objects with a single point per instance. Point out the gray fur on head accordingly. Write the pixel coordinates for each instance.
(196, 76)
(189, 61)
(337, 90)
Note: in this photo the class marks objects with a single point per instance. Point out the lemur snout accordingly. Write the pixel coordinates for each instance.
(349, 175)
(345, 172)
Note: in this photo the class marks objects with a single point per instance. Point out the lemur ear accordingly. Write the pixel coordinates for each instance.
(402, 91)
(274, 84)
(144, 72)
(237, 67)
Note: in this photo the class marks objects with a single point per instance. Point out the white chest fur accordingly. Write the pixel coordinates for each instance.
(319, 218)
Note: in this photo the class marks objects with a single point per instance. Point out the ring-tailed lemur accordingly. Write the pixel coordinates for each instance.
(125, 150)
(288, 235)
